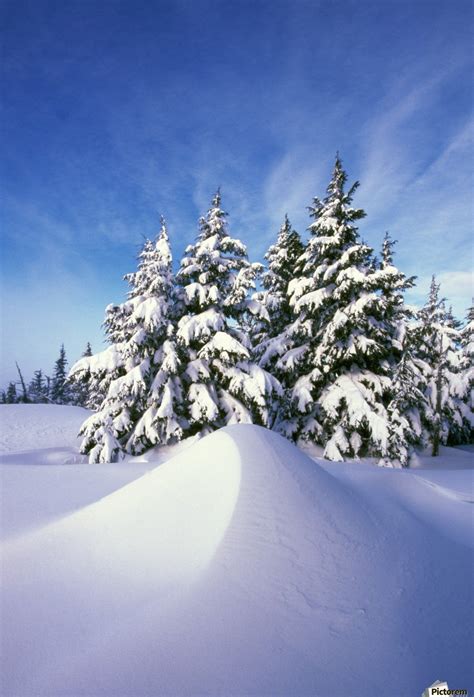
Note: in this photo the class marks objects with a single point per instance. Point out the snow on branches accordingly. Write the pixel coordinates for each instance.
(325, 349)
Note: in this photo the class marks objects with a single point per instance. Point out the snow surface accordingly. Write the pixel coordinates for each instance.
(238, 567)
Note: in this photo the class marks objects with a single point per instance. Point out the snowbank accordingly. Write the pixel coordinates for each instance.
(27, 426)
(36, 440)
(242, 567)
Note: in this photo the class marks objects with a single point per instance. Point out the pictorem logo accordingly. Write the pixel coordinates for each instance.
(439, 688)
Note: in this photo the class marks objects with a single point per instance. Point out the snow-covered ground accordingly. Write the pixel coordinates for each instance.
(240, 566)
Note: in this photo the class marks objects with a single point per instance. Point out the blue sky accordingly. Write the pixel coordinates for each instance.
(115, 112)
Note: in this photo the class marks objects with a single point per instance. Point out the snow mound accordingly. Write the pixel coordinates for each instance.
(239, 567)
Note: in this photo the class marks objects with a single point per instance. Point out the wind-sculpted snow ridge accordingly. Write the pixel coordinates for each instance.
(239, 567)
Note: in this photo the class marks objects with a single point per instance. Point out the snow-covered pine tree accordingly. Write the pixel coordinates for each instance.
(405, 398)
(80, 382)
(163, 420)
(274, 340)
(406, 407)
(223, 385)
(340, 335)
(438, 355)
(138, 329)
(467, 374)
(37, 389)
(60, 393)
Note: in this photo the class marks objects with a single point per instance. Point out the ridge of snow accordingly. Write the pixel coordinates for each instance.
(241, 566)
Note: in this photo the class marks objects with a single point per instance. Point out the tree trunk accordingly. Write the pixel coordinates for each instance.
(23, 386)
(437, 423)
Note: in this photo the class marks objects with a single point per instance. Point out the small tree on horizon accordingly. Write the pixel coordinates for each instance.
(59, 387)
(37, 389)
(11, 396)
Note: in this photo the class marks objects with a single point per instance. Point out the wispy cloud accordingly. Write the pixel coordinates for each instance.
(394, 139)
(143, 112)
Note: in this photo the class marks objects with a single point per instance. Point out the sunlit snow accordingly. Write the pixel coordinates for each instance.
(240, 566)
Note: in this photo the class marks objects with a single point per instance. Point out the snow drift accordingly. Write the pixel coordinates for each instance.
(242, 567)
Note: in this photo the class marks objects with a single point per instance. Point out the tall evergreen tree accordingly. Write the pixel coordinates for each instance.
(282, 258)
(223, 385)
(126, 370)
(405, 398)
(340, 334)
(467, 376)
(163, 420)
(438, 337)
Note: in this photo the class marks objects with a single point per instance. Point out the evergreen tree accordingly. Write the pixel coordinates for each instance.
(404, 399)
(467, 376)
(59, 388)
(11, 396)
(37, 388)
(272, 339)
(407, 405)
(125, 372)
(438, 355)
(340, 353)
(80, 382)
(163, 420)
(222, 384)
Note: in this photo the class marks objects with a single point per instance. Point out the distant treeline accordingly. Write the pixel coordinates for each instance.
(45, 389)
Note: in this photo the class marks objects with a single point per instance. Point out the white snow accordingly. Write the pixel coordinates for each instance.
(238, 567)
(107, 360)
(224, 345)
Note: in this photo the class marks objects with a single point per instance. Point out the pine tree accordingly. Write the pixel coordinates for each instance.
(340, 335)
(467, 376)
(407, 405)
(11, 396)
(80, 382)
(273, 338)
(438, 355)
(404, 399)
(37, 388)
(126, 371)
(163, 420)
(59, 388)
(222, 384)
